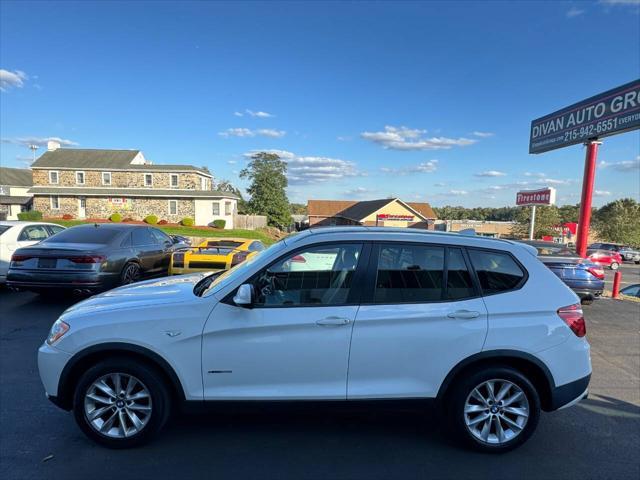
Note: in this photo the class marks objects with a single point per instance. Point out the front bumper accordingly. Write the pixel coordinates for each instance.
(36, 280)
(51, 363)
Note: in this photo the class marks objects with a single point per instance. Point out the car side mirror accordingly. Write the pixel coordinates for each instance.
(175, 240)
(244, 295)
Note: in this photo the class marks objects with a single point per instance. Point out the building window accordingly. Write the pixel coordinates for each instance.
(55, 203)
(80, 178)
(53, 177)
(173, 207)
(174, 180)
(203, 183)
(215, 208)
(106, 178)
(228, 208)
(148, 180)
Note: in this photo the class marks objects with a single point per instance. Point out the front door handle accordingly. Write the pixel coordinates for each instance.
(333, 321)
(464, 314)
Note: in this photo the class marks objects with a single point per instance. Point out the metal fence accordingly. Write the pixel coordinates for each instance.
(249, 222)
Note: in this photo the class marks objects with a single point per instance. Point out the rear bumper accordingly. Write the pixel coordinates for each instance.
(35, 280)
(570, 393)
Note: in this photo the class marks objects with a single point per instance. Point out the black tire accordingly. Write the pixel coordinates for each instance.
(462, 389)
(637, 262)
(152, 380)
(130, 273)
(587, 301)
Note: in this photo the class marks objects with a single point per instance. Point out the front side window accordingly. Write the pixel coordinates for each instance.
(106, 178)
(215, 208)
(142, 236)
(174, 180)
(148, 180)
(173, 207)
(316, 276)
(409, 274)
(161, 237)
(53, 177)
(55, 229)
(55, 203)
(497, 272)
(80, 178)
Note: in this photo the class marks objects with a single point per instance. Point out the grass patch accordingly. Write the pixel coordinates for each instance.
(191, 231)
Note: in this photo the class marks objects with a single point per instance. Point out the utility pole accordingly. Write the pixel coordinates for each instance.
(33, 149)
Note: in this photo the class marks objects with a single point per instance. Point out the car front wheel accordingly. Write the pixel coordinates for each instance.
(494, 410)
(119, 403)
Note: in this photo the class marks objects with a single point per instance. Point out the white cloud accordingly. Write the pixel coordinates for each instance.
(440, 184)
(312, 169)
(623, 166)
(344, 138)
(483, 134)
(232, 162)
(574, 12)
(238, 114)
(246, 132)
(259, 114)
(601, 193)
(457, 193)
(535, 174)
(39, 141)
(403, 138)
(429, 166)
(9, 79)
(621, 2)
(358, 191)
(490, 173)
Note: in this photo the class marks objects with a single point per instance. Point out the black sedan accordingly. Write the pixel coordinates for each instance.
(93, 257)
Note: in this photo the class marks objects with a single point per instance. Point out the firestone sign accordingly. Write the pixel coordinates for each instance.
(609, 113)
(544, 196)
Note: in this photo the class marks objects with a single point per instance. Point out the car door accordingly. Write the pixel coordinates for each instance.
(420, 315)
(293, 342)
(166, 248)
(146, 248)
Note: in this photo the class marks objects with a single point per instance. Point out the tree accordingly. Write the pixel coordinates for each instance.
(546, 219)
(267, 174)
(569, 213)
(298, 209)
(619, 222)
(227, 187)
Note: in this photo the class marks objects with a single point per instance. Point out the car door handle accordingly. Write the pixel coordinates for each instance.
(465, 314)
(332, 321)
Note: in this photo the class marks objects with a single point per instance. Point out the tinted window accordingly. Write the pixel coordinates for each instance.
(126, 241)
(86, 235)
(409, 273)
(33, 233)
(496, 271)
(160, 236)
(316, 276)
(142, 236)
(256, 247)
(4, 228)
(459, 284)
(55, 229)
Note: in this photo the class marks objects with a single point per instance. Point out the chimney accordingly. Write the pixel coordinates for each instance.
(53, 145)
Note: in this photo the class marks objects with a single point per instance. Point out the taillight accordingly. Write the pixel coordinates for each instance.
(574, 318)
(87, 259)
(178, 260)
(596, 272)
(238, 258)
(19, 258)
(298, 259)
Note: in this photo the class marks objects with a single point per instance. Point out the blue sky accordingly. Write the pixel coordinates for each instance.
(427, 101)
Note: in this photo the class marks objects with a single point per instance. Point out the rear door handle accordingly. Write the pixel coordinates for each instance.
(332, 321)
(464, 314)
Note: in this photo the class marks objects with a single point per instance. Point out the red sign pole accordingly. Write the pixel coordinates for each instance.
(587, 193)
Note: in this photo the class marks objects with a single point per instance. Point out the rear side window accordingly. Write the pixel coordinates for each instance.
(497, 272)
(459, 283)
(142, 236)
(409, 273)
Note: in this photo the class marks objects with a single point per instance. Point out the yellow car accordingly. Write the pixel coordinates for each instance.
(213, 255)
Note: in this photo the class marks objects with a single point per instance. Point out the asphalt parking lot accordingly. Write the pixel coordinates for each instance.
(599, 438)
(630, 275)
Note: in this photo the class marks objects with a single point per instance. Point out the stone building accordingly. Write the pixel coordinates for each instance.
(92, 183)
(14, 196)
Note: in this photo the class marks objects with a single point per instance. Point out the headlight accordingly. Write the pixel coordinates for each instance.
(58, 329)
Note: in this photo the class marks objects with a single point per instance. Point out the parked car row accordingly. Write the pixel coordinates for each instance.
(612, 254)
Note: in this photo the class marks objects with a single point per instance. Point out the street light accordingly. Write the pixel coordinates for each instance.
(33, 148)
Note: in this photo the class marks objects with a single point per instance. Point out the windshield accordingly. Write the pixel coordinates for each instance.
(4, 228)
(206, 285)
(554, 251)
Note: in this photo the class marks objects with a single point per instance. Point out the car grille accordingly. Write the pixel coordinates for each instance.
(204, 264)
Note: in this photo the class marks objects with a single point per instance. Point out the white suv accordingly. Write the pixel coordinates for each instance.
(480, 325)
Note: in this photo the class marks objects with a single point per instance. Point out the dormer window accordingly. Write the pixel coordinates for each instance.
(80, 178)
(174, 180)
(53, 177)
(148, 180)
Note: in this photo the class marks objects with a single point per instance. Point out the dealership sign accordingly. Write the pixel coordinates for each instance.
(393, 217)
(544, 196)
(609, 113)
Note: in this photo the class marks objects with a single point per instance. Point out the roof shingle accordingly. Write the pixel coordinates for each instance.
(16, 177)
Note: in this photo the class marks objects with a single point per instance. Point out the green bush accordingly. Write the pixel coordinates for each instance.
(32, 216)
(187, 222)
(115, 217)
(220, 223)
(151, 219)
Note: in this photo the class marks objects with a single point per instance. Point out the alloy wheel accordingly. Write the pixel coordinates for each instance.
(496, 411)
(130, 274)
(118, 405)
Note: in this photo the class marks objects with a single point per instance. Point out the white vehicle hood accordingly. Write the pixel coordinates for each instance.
(150, 293)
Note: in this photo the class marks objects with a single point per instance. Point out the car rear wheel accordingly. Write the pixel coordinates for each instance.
(130, 273)
(614, 265)
(121, 404)
(494, 410)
